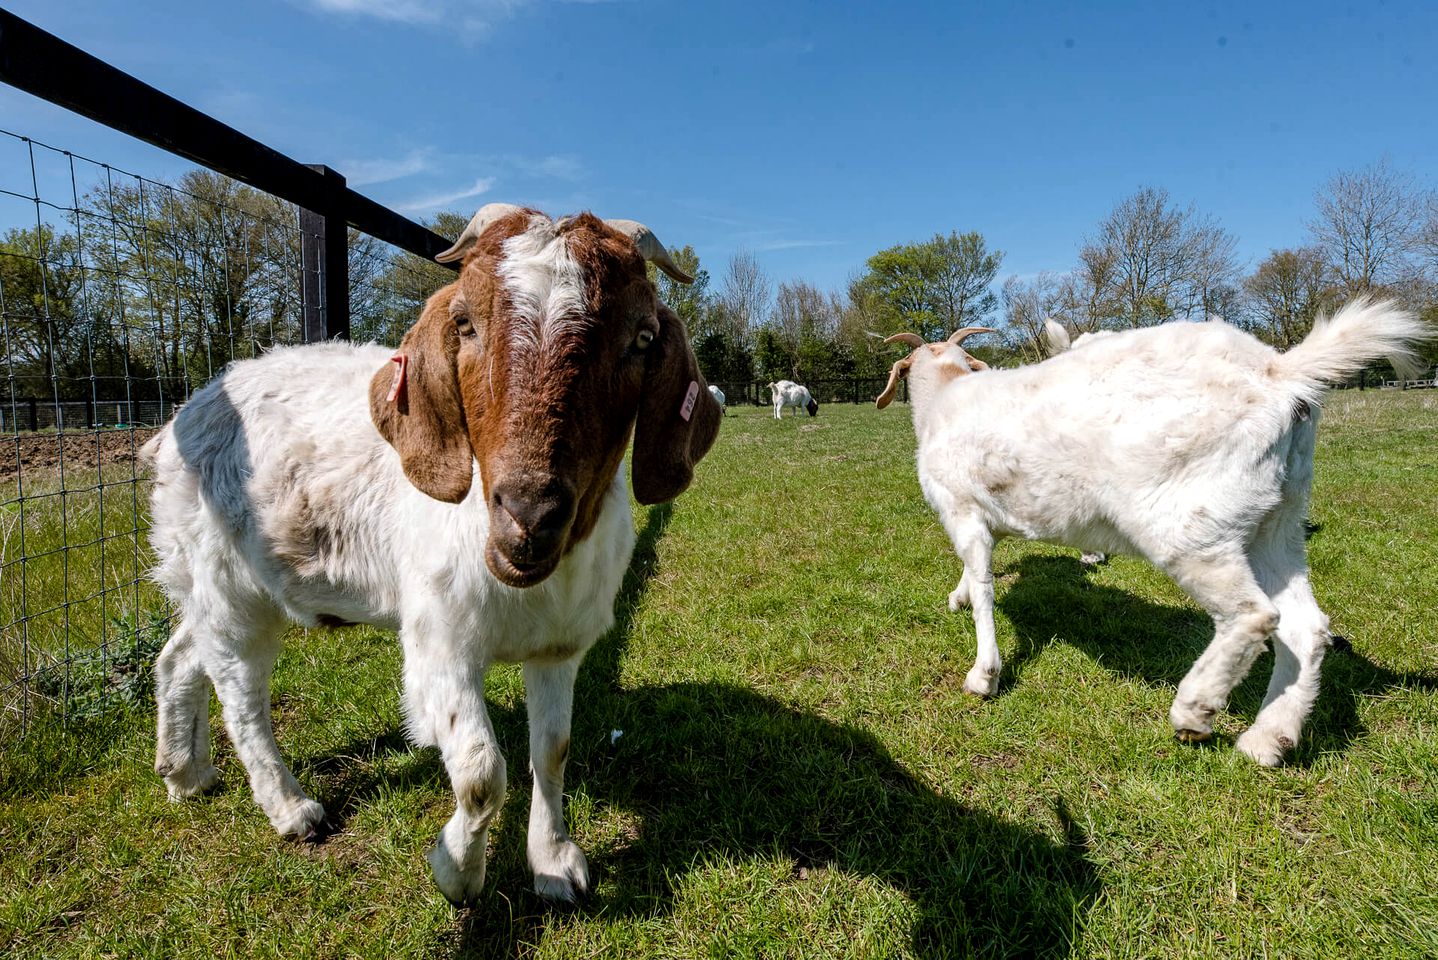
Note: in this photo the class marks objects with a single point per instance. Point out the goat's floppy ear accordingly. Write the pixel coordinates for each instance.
(899, 370)
(678, 418)
(415, 404)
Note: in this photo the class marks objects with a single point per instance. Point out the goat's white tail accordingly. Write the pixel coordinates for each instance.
(1056, 336)
(151, 447)
(1362, 331)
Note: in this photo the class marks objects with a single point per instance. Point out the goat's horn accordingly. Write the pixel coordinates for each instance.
(963, 334)
(487, 214)
(912, 339)
(649, 247)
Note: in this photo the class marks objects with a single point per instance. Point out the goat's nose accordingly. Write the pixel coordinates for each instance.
(531, 522)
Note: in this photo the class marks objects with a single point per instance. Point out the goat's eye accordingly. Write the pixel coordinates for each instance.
(643, 339)
(462, 324)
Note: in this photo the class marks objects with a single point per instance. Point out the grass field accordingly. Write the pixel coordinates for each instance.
(799, 773)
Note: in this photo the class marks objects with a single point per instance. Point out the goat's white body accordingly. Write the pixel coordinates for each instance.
(277, 499)
(787, 393)
(717, 394)
(1189, 444)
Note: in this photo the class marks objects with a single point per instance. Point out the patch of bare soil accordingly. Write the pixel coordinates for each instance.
(83, 454)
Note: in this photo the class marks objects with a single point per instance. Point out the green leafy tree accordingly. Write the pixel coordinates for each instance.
(935, 287)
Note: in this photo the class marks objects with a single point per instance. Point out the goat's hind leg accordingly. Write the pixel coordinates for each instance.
(1223, 583)
(1299, 644)
(240, 647)
(182, 722)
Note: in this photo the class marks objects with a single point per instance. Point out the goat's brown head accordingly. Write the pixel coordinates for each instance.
(539, 362)
(950, 358)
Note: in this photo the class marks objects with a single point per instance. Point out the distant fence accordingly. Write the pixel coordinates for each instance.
(119, 296)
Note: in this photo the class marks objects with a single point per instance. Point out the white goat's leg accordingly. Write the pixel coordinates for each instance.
(1300, 643)
(959, 596)
(182, 719)
(240, 666)
(977, 547)
(560, 870)
(444, 702)
(1244, 618)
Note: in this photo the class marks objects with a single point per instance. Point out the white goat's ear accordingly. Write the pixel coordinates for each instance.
(678, 416)
(896, 372)
(416, 405)
(975, 364)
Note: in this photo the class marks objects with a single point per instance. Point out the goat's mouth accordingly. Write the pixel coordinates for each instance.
(516, 571)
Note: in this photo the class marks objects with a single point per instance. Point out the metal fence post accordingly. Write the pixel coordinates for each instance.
(324, 255)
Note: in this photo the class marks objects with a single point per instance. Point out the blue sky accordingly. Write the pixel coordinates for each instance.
(811, 134)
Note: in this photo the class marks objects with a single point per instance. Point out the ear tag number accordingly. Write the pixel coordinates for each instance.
(686, 410)
(397, 384)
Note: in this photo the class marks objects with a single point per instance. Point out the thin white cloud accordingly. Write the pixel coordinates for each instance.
(439, 201)
(360, 173)
(470, 18)
(398, 11)
(773, 245)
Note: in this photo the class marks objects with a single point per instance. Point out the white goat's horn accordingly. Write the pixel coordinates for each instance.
(487, 214)
(649, 247)
(912, 339)
(964, 333)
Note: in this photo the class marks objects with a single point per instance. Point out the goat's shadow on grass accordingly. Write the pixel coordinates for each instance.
(710, 773)
(1054, 596)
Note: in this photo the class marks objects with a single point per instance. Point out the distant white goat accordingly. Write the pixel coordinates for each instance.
(1190, 444)
(718, 396)
(787, 393)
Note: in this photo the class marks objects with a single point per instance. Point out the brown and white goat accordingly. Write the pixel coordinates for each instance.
(336, 483)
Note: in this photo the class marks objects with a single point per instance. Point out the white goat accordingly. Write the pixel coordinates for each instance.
(1190, 444)
(466, 491)
(787, 393)
(718, 396)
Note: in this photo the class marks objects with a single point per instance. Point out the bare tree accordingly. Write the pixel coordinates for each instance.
(1151, 261)
(1286, 292)
(1368, 227)
(747, 296)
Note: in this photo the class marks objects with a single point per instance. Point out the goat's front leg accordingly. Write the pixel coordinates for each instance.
(560, 870)
(976, 547)
(445, 702)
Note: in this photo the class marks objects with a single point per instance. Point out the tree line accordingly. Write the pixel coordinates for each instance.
(149, 289)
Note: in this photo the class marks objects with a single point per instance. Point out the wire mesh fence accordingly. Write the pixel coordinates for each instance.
(121, 295)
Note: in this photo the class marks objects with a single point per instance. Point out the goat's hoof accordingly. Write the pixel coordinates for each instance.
(1193, 736)
(304, 821)
(460, 887)
(1264, 749)
(183, 784)
(562, 874)
(981, 684)
(1093, 559)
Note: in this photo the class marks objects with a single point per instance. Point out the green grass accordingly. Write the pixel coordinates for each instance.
(799, 773)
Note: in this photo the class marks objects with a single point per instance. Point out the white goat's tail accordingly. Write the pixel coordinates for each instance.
(150, 450)
(1362, 331)
(1056, 337)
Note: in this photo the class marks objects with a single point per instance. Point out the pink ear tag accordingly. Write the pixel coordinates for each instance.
(399, 371)
(687, 409)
